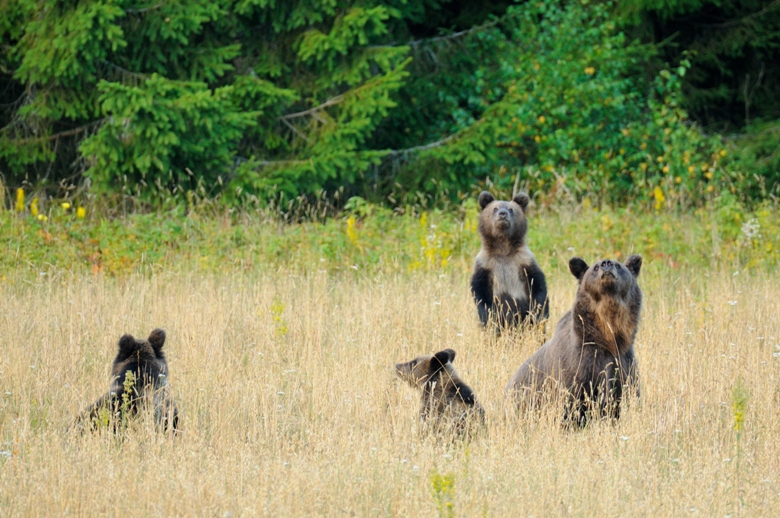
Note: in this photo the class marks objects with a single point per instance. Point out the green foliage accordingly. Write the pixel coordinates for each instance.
(739, 399)
(162, 130)
(253, 99)
(733, 85)
(731, 44)
(277, 308)
(127, 398)
(443, 490)
(370, 239)
(190, 95)
(755, 168)
(575, 118)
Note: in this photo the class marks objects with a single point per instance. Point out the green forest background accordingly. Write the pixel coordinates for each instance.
(644, 102)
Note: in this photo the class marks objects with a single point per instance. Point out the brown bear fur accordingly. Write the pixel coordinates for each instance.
(589, 361)
(146, 360)
(507, 283)
(447, 402)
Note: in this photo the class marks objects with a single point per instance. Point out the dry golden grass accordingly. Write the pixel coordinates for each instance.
(290, 405)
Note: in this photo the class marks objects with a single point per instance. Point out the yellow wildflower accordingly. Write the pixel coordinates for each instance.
(81, 213)
(43, 217)
(19, 200)
(658, 194)
(351, 230)
(34, 207)
(590, 71)
(65, 205)
(541, 119)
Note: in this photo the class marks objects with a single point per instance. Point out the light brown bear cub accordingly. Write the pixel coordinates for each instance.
(447, 402)
(589, 362)
(138, 377)
(507, 283)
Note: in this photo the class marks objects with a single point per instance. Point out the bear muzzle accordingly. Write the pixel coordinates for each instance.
(503, 223)
(606, 269)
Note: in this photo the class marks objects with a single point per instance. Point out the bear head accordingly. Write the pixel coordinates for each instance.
(608, 278)
(503, 223)
(144, 358)
(425, 369)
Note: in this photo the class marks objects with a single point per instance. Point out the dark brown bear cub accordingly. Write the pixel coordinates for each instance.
(138, 376)
(447, 402)
(589, 362)
(507, 283)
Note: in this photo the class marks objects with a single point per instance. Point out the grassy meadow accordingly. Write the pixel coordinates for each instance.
(283, 372)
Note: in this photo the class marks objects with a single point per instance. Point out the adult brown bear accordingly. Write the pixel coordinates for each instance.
(589, 362)
(138, 377)
(507, 283)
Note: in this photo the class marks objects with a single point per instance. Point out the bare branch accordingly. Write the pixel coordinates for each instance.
(448, 37)
(740, 21)
(48, 138)
(294, 129)
(425, 147)
(311, 111)
(143, 9)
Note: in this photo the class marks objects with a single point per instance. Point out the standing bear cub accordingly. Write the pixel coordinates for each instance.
(138, 377)
(589, 361)
(507, 282)
(447, 402)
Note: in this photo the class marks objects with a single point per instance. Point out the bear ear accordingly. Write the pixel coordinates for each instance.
(577, 267)
(444, 357)
(484, 199)
(634, 264)
(157, 339)
(522, 199)
(126, 344)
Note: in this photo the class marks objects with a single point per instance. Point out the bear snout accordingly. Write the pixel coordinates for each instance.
(403, 370)
(607, 268)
